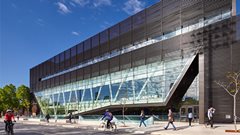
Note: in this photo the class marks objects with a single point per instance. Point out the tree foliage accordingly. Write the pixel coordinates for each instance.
(12, 98)
(23, 96)
(232, 87)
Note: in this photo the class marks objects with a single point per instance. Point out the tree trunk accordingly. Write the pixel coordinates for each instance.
(234, 112)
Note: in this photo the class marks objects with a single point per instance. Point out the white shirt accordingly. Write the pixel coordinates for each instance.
(190, 115)
(210, 113)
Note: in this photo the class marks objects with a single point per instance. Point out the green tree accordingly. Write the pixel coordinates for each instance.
(23, 96)
(232, 87)
(2, 103)
(9, 97)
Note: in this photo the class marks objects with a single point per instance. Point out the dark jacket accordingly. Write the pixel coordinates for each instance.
(108, 116)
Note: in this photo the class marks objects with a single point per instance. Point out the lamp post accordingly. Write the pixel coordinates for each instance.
(123, 101)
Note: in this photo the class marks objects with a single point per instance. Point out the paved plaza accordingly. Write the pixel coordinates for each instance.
(35, 127)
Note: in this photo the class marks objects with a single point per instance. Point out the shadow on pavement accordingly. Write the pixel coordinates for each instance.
(29, 133)
(183, 127)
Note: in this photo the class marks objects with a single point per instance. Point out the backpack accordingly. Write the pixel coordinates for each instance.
(110, 114)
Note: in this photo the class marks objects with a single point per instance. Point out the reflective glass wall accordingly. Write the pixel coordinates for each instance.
(149, 83)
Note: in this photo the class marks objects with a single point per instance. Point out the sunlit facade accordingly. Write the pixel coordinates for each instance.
(153, 58)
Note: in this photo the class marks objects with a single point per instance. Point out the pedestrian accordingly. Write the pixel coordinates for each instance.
(210, 113)
(70, 117)
(18, 117)
(170, 119)
(190, 117)
(142, 118)
(47, 117)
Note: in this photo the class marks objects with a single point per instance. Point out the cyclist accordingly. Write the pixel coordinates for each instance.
(9, 116)
(107, 116)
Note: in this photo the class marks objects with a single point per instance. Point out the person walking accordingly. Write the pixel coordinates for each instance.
(18, 117)
(47, 117)
(170, 119)
(210, 113)
(190, 117)
(70, 117)
(142, 118)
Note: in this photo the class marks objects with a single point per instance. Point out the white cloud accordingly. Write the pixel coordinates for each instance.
(98, 3)
(63, 8)
(75, 33)
(81, 3)
(40, 22)
(133, 6)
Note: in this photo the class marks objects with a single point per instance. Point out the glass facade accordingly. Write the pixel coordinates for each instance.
(149, 83)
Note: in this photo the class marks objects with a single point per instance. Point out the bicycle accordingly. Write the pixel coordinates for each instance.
(9, 130)
(112, 126)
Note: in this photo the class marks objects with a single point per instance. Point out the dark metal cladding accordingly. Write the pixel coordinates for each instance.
(218, 54)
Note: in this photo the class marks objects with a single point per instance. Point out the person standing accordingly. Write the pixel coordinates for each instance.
(170, 119)
(70, 117)
(210, 113)
(190, 117)
(142, 118)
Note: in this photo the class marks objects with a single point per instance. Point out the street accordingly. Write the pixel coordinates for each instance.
(91, 128)
(33, 129)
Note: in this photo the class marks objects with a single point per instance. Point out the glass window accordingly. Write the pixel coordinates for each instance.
(87, 95)
(61, 101)
(95, 92)
(73, 96)
(67, 95)
(114, 88)
(55, 99)
(104, 95)
(79, 95)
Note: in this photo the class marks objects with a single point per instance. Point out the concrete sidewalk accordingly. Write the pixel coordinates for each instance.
(156, 129)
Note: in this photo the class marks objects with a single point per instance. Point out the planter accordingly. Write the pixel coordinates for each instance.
(232, 131)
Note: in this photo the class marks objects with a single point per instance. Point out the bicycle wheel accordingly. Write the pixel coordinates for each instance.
(102, 125)
(114, 127)
(11, 129)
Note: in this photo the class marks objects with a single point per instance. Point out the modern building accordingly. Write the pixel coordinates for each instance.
(169, 52)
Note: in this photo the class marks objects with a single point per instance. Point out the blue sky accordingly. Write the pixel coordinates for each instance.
(238, 6)
(32, 31)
